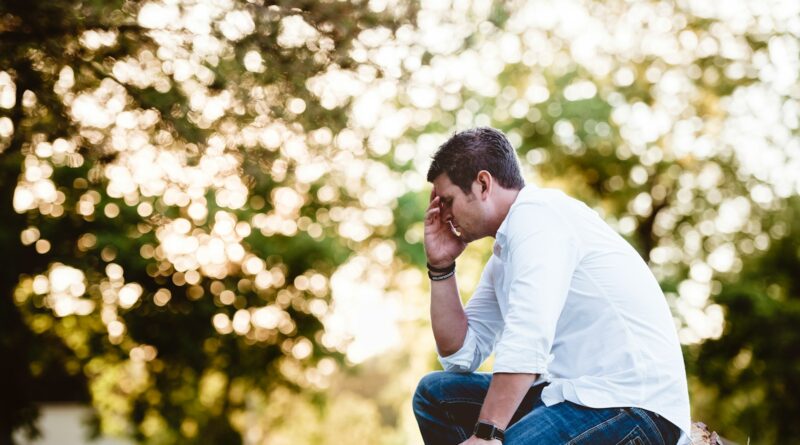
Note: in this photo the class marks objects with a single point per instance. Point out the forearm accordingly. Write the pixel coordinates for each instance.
(504, 396)
(448, 319)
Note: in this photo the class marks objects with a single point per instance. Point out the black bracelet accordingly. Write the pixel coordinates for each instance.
(441, 277)
(447, 269)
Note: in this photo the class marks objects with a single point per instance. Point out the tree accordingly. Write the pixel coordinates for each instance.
(135, 135)
(751, 368)
(173, 194)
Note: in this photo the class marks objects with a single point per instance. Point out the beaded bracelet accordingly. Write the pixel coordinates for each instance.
(447, 269)
(441, 277)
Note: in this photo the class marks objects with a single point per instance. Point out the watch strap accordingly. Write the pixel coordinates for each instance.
(488, 431)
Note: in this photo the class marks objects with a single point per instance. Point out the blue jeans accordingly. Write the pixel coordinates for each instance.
(447, 405)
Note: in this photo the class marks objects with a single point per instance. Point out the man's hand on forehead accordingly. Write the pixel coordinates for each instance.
(441, 204)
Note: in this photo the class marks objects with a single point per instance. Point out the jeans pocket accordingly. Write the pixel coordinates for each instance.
(609, 431)
(635, 437)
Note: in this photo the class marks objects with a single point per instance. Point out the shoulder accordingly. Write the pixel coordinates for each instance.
(531, 195)
(538, 208)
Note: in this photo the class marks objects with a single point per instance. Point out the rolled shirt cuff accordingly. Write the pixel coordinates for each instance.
(466, 359)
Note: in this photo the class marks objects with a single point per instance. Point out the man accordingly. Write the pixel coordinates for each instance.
(585, 348)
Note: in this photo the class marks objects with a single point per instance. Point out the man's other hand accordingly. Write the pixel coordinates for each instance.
(442, 246)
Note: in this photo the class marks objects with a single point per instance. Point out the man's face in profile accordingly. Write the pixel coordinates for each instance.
(460, 210)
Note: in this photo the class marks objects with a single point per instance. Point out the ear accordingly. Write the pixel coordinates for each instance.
(485, 181)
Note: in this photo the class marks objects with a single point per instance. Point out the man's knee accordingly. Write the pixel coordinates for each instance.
(429, 386)
(443, 385)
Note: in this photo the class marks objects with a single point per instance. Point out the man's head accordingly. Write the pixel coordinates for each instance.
(470, 151)
(476, 176)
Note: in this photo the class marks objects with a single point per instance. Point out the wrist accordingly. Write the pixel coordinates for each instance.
(441, 277)
(441, 268)
(441, 273)
(488, 431)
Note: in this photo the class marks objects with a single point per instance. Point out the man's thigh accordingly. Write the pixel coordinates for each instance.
(573, 424)
(460, 397)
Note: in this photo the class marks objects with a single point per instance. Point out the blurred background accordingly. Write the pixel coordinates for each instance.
(211, 209)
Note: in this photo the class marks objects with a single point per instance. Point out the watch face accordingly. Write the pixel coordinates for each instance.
(484, 430)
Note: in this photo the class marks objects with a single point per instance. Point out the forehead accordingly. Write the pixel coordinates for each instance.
(442, 186)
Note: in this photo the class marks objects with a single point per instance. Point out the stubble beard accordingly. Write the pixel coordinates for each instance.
(465, 237)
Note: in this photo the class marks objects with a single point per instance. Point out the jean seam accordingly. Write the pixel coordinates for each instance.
(653, 424)
(462, 400)
(601, 426)
(461, 432)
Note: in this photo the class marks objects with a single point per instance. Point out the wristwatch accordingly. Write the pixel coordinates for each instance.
(487, 431)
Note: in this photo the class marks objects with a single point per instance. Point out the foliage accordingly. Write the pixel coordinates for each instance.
(188, 188)
(752, 367)
(172, 193)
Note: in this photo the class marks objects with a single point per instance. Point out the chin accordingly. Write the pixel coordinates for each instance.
(466, 237)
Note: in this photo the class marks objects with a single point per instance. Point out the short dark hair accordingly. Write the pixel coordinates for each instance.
(470, 151)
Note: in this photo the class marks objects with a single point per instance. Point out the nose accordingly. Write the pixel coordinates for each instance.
(447, 215)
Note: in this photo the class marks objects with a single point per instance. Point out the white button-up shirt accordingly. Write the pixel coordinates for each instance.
(566, 297)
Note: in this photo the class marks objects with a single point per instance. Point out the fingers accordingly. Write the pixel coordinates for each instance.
(434, 203)
(432, 214)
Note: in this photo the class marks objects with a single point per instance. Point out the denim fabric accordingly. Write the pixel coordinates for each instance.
(447, 405)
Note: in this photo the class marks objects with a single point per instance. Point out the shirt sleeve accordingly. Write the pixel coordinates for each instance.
(543, 255)
(484, 323)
